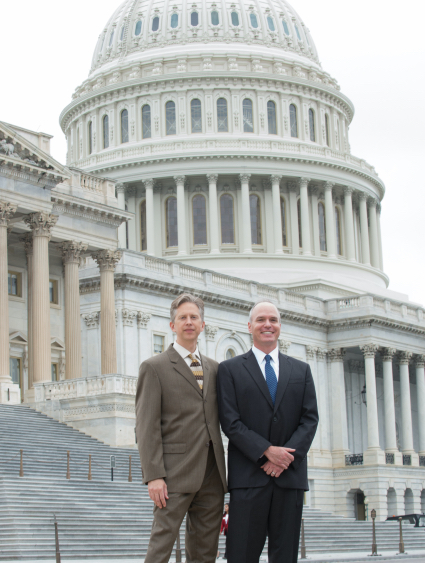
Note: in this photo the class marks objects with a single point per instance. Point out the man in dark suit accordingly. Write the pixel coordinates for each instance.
(268, 410)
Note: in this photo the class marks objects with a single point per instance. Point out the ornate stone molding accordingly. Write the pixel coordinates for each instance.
(244, 178)
(6, 211)
(363, 196)
(143, 319)
(211, 332)
(179, 179)
(92, 319)
(276, 178)
(72, 250)
(372, 202)
(356, 366)
(336, 354)
(128, 317)
(303, 182)
(41, 223)
(348, 190)
(149, 183)
(212, 178)
(292, 187)
(107, 259)
(310, 352)
(404, 358)
(28, 243)
(266, 184)
(284, 345)
(387, 354)
(420, 360)
(328, 186)
(369, 350)
(321, 354)
(120, 188)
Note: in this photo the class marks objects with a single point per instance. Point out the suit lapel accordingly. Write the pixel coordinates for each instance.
(182, 368)
(206, 370)
(285, 369)
(255, 372)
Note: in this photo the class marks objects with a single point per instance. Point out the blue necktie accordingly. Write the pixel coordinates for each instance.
(271, 378)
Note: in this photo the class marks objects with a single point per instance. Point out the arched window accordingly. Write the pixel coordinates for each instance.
(230, 353)
(174, 20)
(248, 125)
(227, 219)
(146, 122)
(255, 208)
(222, 123)
(199, 211)
(214, 18)
(196, 116)
(171, 222)
(338, 232)
(122, 33)
(311, 122)
(90, 137)
(143, 241)
(138, 28)
(155, 23)
(285, 27)
(270, 23)
(124, 126)
(300, 234)
(337, 134)
(235, 18)
(283, 217)
(327, 130)
(103, 42)
(293, 120)
(194, 19)
(111, 38)
(254, 21)
(170, 118)
(297, 31)
(105, 131)
(271, 117)
(322, 227)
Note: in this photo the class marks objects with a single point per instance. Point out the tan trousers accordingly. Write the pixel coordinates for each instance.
(204, 511)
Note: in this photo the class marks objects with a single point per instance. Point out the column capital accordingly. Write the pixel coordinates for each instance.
(284, 345)
(303, 182)
(404, 358)
(72, 250)
(310, 352)
(363, 196)
(6, 211)
(420, 360)
(179, 179)
(267, 184)
(321, 353)
(348, 190)
(212, 178)
(211, 332)
(378, 207)
(292, 186)
(276, 178)
(41, 223)
(28, 243)
(120, 188)
(369, 350)
(143, 319)
(313, 189)
(149, 183)
(387, 354)
(328, 186)
(244, 178)
(107, 259)
(336, 354)
(372, 202)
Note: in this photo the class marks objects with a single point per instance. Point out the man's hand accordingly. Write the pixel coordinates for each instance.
(280, 456)
(158, 492)
(272, 469)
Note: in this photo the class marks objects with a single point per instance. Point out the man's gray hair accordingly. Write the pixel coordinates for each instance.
(186, 298)
(258, 303)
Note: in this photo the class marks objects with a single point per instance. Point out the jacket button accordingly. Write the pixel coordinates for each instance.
(207, 444)
(275, 419)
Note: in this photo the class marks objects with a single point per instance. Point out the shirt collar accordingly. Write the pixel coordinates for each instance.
(274, 354)
(184, 353)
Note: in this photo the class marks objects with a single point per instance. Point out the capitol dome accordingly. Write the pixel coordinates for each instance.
(230, 144)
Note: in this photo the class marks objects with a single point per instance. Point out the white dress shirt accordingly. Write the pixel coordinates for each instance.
(185, 353)
(274, 362)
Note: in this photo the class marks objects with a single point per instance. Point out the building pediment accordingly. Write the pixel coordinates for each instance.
(18, 337)
(57, 343)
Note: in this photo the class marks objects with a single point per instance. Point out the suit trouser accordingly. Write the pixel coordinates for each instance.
(255, 513)
(204, 510)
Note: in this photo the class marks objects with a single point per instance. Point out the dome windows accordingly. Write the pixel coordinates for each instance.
(171, 222)
(283, 219)
(222, 123)
(254, 21)
(322, 227)
(248, 125)
(122, 32)
(311, 123)
(194, 19)
(270, 23)
(155, 23)
(285, 27)
(227, 219)
(146, 122)
(170, 117)
(174, 21)
(235, 18)
(105, 124)
(124, 126)
(255, 209)
(297, 31)
(199, 214)
(138, 28)
(271, 117)
(196, 116)
(111, 38)
(293, 120)
(90, 137)
(214, 18)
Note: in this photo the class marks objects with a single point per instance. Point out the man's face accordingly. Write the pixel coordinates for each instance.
(265, 325)
(188, 324)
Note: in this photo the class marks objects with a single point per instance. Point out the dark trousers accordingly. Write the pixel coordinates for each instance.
(256, 513)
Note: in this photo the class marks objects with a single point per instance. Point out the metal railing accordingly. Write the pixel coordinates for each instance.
(354, 459)
(389, 459)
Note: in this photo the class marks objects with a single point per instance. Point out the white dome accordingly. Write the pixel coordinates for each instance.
(142, 29)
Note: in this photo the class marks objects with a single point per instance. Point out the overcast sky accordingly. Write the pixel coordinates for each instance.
(374, 48)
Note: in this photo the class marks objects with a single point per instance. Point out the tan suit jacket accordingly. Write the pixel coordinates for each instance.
(175, 422)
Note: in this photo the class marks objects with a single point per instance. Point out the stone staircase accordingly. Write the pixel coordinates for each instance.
(104, 519)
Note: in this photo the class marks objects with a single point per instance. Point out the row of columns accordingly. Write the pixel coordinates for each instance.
(369, 220)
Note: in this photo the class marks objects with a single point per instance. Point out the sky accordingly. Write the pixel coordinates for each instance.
(374, 48)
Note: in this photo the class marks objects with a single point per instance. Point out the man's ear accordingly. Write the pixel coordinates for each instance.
(249, 328)
(172, 326)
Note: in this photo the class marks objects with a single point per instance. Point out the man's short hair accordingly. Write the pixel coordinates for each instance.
(186, 298)
(258, 303)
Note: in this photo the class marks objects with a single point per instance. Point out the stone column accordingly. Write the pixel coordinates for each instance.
(374, 241)
(373, 454)
(338, 408)
(315, 216)
(305, 216)
(378, 220)
(420, 394)
(246, 245)
(406, 407)
(210, 334)
(41, 225)
(389, 405)
(293, 218)
(214, 220)
(28, 240)
(142, 324)
(107, 260)
(364, 229)
(181, 215)
(9, 392)
(330, 221)
(122, 237)
(150, 217)
(71, 254)
(349, 225)
(277, 214)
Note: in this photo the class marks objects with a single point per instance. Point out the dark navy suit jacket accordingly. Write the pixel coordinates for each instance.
(252, 423)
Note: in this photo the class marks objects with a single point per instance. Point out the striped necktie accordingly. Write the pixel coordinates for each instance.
(197, 370)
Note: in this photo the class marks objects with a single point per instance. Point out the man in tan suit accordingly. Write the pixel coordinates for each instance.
(178, 436)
